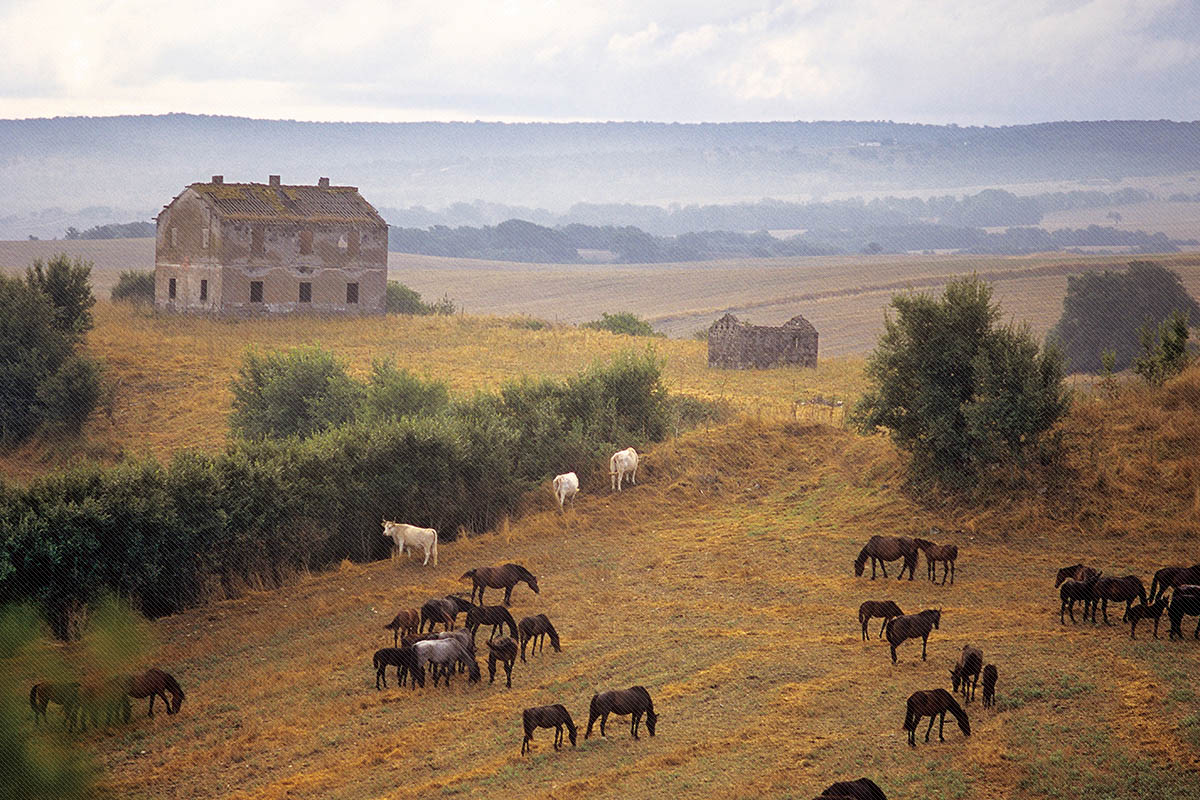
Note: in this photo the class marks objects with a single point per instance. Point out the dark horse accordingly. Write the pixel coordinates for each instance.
(1077, 572)
(910, 626)
(536, 629)
(877, 608)
(154, 683)
(635, 700)
(496, 616)
(110, 698)
(861, 789)
(64, 694)
(555, 716)
(933, 703)
(443, 611)
(887, 548)
(1153, 611)
(503, 577)
(503, 650)
(404, 659)
(1170, 577)
(969, 665)
(946, 554)
(1125, 589)
(990, 673)
(1185, 601)
(406, 621)
(1072, 592)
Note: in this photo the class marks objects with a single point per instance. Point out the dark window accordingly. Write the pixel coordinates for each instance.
(305, 292)
(256, 241)
(256, 291)
(351, 292)
(203, 290)
(171, 289)
(306, 243)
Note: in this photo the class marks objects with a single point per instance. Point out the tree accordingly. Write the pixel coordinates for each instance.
(1164, 350)
(956, 391)
(66, 281)
(135, 286)
(625, 323)
(32, 348)
(294, 393)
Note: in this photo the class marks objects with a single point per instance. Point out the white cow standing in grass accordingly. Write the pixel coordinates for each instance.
(622, 463)
(566, 486)
(412, 537)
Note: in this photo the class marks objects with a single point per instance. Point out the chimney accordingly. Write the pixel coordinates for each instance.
(273, 179)
(323, 183)
(218, 179)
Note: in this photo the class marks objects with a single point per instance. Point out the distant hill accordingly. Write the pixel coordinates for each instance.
(141, 162)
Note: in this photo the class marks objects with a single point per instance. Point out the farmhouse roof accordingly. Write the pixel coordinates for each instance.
(275, 202)
(800, 323)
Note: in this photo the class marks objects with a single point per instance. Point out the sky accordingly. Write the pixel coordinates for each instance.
(972, 62)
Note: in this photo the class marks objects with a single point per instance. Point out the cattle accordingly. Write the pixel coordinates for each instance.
(566, 486)
(412, 537)
(622, 463)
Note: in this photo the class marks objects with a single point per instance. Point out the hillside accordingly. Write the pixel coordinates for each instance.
(723, 583)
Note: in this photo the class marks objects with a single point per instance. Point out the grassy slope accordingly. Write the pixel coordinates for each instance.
(723, 583)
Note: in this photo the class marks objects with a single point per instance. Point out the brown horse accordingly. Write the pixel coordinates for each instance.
(1185, 601)
(910, 626)
(861, 789)
(536, 629)
(407, 621)
(635, 700)
(970, 663)
(64, 694)
(404, 659)
(1076, 572)
(503, 577)
(503, 650)
(882, 549)
(443, 611)
(1171, 577)
(946, 554)
(1126, 589)
(496, 616)
(1073, 591)
(110, 698)
(555, 716)
(154, 683)
(990, 673)
(877, 608)
(933, 703)
(1153, 611)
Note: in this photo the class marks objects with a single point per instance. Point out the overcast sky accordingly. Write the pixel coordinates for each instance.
(966, 61)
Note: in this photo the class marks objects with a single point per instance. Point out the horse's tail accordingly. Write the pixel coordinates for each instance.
(553, 637)
(910, 716)
(1154, 585)
(512, 623)
(1141, 590)
(887, 628)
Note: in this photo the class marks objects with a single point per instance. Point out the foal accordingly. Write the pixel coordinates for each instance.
(947, 554)
(406, 622)
(990, 673)
(1073, 591)
(877, 608)
(555, 716)
(536, 629)
(404, 659)
(933, 703)
(64, 694)
(1153, 611)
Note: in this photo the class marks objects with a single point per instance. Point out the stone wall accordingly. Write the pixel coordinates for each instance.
(733, 344)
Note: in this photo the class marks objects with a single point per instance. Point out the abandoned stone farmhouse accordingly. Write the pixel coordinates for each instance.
(734, 344)
(243, 249)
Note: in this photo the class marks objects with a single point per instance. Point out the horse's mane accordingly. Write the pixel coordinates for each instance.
(924, 544)
(964, 723)
(553, 633)
(524, 572)
(468, 574)
(172, 684)
(642, 691)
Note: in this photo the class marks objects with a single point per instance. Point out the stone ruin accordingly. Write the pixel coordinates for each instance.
(733, 344)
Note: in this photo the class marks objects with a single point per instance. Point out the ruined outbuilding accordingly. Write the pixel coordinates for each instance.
(733, 344)
(245, 249)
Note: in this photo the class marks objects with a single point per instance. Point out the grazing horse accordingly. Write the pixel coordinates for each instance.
(411, 536)
(64, 694)
(503, 577)
(154, 683)
(1125, 589)
(910, 626)
(877, 608)
(990, 673)
(536, 629)
(635, 700)
(444, 655)
(504, 650)
(1153, 611)
(947, 554)
(110, 698)
(554, 716)
(496, 616)
(566, 486)
(404, 659)
(443, 610)
(1077, 572)
(1171, 577)
(1073, 591)
(861, 789)
(970, 663)
(407, 621)
(933, 703)
(623, 462)
(1185, 601)
(887, 548)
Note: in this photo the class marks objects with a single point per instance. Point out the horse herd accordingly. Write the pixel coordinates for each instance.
(1083, 584)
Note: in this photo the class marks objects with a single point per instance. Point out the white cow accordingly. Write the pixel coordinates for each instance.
(623, 462)
(565, 487)
(412, 537)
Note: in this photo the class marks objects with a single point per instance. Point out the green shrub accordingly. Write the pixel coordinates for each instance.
(403, 300)
(134, 286)
(65, 281)
(296, 393)
(623, 323)
(34, 347)
(1164, 351)
(392, 393)
(66, 398)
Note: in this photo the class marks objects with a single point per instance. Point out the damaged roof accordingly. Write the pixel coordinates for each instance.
(261, 202)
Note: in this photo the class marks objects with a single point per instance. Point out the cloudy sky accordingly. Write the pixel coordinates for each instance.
(966, 61)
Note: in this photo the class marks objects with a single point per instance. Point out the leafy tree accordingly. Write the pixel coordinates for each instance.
(66, 281)
(32, 348)
(135, 286)
(403, 300)
(623, 323)
(293, 393)
(956, 391)
(1102, 311)
(66, 398)
(1164, 350)
(393, 393)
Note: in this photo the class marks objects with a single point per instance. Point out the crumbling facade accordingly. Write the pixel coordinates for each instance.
(244, 249)
(733, 344)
